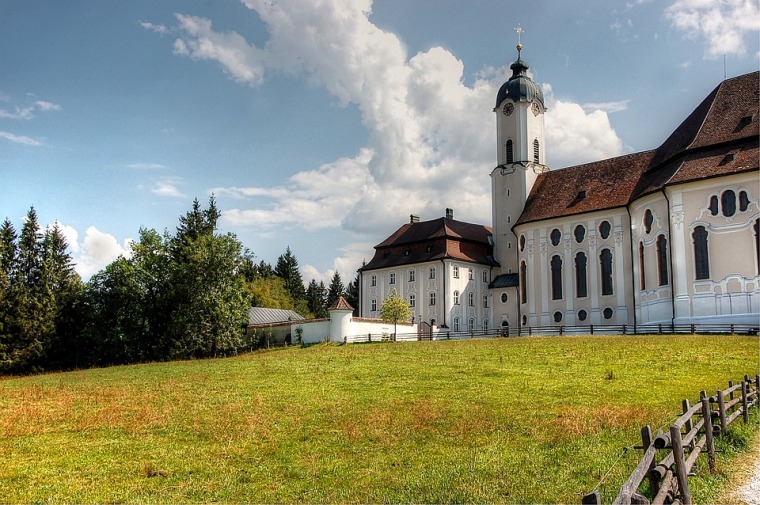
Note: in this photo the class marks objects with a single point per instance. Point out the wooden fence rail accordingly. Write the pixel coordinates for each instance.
(692, 434)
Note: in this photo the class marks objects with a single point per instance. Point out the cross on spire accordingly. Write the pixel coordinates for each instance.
(519, 31)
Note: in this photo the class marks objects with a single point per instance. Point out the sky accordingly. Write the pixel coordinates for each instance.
(321, 125)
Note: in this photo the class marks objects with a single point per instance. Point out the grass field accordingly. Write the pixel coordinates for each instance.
(522, 420)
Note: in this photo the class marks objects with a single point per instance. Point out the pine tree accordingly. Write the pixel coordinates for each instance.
(316, 298)
(8, 259)
(336, 290)
(287, 270)
(352, 294)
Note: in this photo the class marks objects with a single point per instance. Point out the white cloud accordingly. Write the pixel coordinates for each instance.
(20, 139)
(167, 187)
(608, 107)
(95, 252)
(146, 166)
(431, 137)
(723, 25)
(158, 28)
(27, 111)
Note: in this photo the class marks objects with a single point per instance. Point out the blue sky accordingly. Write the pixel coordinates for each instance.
(321, 125)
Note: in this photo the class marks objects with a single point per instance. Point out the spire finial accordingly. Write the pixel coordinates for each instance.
(519, 31)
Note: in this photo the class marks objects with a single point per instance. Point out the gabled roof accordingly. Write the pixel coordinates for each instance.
(441, 238)
(720, 137)
(263, 316)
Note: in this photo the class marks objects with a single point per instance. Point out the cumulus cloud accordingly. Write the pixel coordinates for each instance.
(431, 136)
(20, 139)
(723, 25)
(95, 251)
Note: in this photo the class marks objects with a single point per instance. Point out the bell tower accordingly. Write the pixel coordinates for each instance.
(520, 155)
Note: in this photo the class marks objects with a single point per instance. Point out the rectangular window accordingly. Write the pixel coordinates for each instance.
(432, 273)
(581, 290)
(606, 263)
(373, 281)
(472, 273)
(701, 260)
(411, 275)
(432, 298)
(412, 300)
(485, 301)
(373, 304)
(662, 259)
(456, 272)
(392, 278)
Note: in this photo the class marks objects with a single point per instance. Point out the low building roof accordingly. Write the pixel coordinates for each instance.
(261, 316)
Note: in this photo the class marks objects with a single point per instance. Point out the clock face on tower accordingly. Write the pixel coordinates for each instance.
(508, 109)
(535, 109)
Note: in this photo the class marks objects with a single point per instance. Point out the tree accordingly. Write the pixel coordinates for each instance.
(395, 309)
(287, 270)
(352, 294)
(336, 290)
(316, 299)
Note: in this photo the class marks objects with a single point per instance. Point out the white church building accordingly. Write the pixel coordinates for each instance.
(667, 236)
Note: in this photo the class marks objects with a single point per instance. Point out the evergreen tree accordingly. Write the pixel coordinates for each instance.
(316, 299)
(287, 270)
(8, 259)
(336, 290)
(352, 294)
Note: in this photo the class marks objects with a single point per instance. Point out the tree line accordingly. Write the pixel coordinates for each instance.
(177, 296)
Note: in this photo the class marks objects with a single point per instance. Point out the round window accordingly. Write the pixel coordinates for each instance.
(557, 316)
(504, 298)
(580, 233)
(604, 229)
(582, 315)
(607, 313)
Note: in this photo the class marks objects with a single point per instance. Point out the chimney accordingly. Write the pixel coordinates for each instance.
(449, 213)
(414, 219)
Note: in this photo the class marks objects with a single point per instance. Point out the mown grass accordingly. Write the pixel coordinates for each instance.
(529, 420)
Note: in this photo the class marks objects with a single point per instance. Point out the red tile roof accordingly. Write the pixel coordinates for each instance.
(725, 123)
(437, 239)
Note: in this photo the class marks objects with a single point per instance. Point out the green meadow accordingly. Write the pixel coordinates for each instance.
(521, 420)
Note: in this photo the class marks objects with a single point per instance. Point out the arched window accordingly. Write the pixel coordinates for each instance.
(523, 282)
(662, 259)
(581, 290)
(605, 260)
(701, 259)
(714, 205)
(728, 203)
(580, 233)
(485, 324)
(648, 220)
(456, 324)
(555, 236)
(642, 271)
(456, 297)
(522, 243)
(510, 153)
(604, 229)
(535, 151)
(556, 267)
(471, 324)
(471, 299)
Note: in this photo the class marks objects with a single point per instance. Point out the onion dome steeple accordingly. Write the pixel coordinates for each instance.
(520, 87)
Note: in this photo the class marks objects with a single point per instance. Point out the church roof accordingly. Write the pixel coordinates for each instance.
(441, 238)
(520, 87)
(720, 137)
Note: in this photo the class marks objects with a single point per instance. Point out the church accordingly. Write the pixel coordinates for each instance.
(667, 236)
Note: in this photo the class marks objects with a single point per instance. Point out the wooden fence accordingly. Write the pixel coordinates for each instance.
(689, 436)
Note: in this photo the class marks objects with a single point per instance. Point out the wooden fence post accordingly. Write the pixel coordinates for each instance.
(722, 412)
(646, 441)
(688, 424)
(678, 458)
(745, 401)
(731, 393)
(707, 424)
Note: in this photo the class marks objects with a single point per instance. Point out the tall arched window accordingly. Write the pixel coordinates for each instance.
(642, 272)
(556, 267)
(535, 151)
(523, 283)
(606, 263)
(581, 290)
(648, 220)
(510, 153)
(471, 299)
(456, 297)
(456, 324)
(662, 259)
(701, 259)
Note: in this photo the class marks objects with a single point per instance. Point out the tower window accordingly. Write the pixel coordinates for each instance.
(535, 150)
(701, 259)
(510, 152)
(556, 267)
(522, 243)
(662, 259)
(581, 289)
(605, 260)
